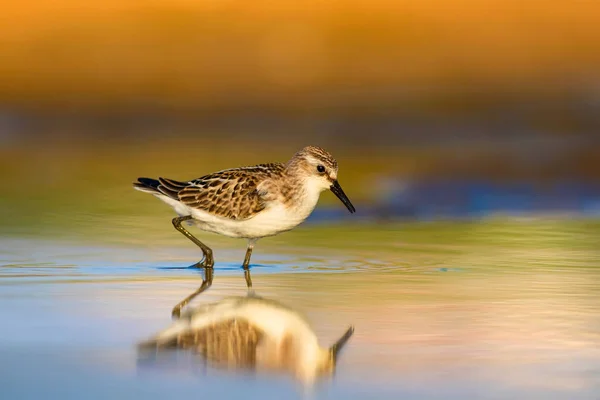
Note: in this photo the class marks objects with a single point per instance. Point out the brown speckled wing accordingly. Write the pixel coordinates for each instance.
(229, 343)
(230, 193)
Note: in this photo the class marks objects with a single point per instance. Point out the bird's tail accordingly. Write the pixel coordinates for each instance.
(167, 338)
(163, 186)
(151, 351)
(147, 185)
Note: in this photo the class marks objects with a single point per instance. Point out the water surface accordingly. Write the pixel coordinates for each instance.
(493, 309)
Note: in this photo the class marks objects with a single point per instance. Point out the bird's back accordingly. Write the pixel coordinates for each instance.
(232, 193)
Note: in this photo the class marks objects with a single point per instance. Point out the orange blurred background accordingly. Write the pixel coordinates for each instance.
(299, 57)
(418, 89)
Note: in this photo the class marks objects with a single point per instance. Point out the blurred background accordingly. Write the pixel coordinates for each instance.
(433, 108)
(468, 113)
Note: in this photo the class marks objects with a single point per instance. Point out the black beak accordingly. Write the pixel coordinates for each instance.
(337, 190)
(337, 347)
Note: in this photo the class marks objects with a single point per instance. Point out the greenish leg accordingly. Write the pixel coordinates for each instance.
(207, 260)
(206, 283)
(207, 263)
(246, 265)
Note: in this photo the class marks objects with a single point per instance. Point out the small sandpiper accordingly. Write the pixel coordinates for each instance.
(250, 202)
(249, 333)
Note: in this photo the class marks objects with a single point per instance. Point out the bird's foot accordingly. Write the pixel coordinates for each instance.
(206, 262)
(198, 265)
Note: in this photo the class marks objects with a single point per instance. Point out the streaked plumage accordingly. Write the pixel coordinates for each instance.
(232, 193)
(252, 202)
(249, 333)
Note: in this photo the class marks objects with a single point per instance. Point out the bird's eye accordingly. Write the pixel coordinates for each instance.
(320, 168)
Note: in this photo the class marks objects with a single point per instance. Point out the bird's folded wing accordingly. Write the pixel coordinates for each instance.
(232, 194)
(230, 342)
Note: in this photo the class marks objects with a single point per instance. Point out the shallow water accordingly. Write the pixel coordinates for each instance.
(499, 310)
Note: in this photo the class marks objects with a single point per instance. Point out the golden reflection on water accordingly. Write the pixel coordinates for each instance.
(514, 329)
(247, 333)
(520, 314)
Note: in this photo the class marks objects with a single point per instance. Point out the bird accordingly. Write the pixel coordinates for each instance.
(250, 202)
(248, 333)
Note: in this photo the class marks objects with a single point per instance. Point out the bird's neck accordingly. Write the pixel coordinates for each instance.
(300, 192)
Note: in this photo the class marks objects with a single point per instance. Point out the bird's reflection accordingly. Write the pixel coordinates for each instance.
(206, 283)
(249, 333)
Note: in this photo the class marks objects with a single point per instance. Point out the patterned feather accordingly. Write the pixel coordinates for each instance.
(232, 193)
(225, 343)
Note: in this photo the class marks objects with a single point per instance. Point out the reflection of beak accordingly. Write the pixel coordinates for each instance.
(335, 349)
(337, 190)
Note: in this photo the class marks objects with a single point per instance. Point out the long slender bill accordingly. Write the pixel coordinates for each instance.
(337, 190)
(335, 349)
